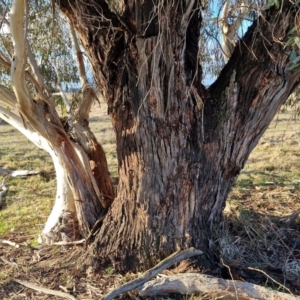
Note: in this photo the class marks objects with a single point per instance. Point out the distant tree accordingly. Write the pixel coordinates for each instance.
(180, 145)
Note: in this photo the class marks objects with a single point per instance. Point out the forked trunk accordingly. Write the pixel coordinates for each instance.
(180, 146)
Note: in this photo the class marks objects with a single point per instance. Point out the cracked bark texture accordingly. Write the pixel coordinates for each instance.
(180, 146)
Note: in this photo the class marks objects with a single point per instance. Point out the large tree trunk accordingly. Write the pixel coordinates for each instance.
(180, 146)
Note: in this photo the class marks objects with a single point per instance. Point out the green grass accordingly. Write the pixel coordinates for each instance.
(267, 189)
(273, 165)
(30, 200)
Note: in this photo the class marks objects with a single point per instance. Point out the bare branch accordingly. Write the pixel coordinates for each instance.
(4, 61)
(17, 123)
(186, 16)
(19, 59)
(88, 94)
(45, 290)
(39, 81)
(26, 106)
(79, 57)
(7, 97)
(9, 242)
(166, 263)
(62, 93)
(228, 31)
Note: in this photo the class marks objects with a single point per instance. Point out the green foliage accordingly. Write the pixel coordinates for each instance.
(48, 36)
(271, 3)
(294, 42)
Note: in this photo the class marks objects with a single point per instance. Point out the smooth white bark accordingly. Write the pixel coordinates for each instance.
(64, 202)
(7, 97)
(229, 31)
(78, 197)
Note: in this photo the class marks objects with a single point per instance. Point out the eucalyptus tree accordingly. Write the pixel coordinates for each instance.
(180, 144)
(41, 62)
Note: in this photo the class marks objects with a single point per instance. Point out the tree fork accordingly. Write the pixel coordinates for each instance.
(180, 146)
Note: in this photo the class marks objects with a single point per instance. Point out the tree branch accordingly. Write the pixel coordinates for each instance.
(166, 263)
(253, 85)
(228, 31)
(7, 97)
(28, 132)
(45, 290)
(88, 93)
(62, 93)
(4, 61)
(186, 16)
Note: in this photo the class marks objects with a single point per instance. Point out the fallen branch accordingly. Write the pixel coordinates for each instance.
(166, 263)
(191, 283)
(23, 173)
(13, 264)
(18, 173)
(45, 290)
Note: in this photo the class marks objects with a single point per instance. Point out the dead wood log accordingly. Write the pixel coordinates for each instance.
(166, 263)
(192, 283)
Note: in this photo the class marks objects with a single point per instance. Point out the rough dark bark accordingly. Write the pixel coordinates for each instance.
(180, 146)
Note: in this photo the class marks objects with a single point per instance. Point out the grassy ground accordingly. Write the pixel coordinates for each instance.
(261, 229)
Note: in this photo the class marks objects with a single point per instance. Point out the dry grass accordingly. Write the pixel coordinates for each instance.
(261, 227)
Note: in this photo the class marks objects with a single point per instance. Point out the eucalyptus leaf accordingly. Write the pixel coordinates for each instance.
(293, 55)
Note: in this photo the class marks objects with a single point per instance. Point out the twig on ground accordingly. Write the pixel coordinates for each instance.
(62, 243)
(45, 290)
(63, 288)
(166, 263)
(9, 243)
(268, 276)
(9, 262)
(229, 270)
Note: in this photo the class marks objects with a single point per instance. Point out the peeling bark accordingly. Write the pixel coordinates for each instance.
(78, 199)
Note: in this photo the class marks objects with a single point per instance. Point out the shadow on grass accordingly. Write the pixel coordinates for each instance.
(262, 248)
